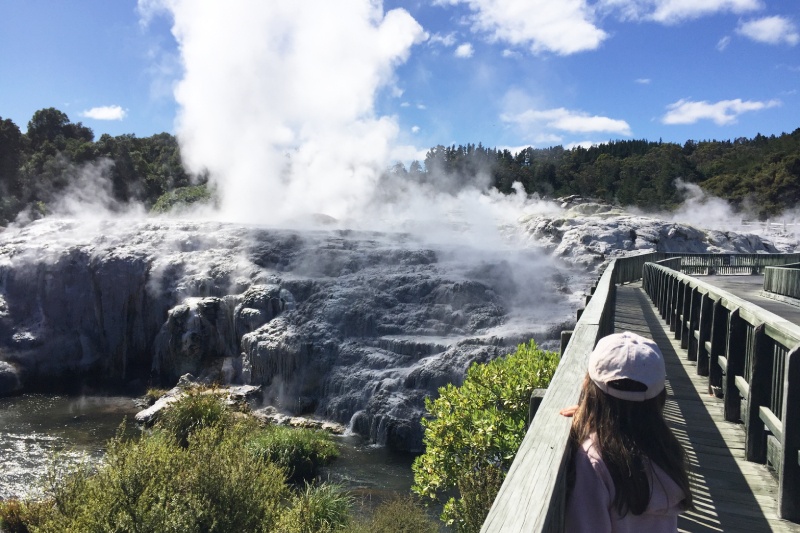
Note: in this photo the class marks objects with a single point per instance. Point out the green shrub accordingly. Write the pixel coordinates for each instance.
(194, 411)
(478, 489)
(301, 452)
(156, 485)
(182, 197)
(476, 429)
(18, 516)
(153, 395)
(318, 509)
(398, 515)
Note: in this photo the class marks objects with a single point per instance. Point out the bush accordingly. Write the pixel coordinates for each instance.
(398, 515)
(475, 430)
(153, 395)
(301, 452)
(156, 485)
(18, 516)
(194, 411)
(318, 509)
(182, 197)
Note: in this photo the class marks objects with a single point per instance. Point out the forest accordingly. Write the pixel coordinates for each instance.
(760, 176)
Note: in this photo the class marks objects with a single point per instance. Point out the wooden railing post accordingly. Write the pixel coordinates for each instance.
(678, 310)
(755, 447)
(734, 357)
(719, 330)
(704, 334)
(692, 321)
(789, 475)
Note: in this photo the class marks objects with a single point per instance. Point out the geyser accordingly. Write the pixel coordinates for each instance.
(277, 100)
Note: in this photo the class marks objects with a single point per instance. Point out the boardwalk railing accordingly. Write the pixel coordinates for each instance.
(703, 264)
(783, 280)
(752, 360)
(532, 497)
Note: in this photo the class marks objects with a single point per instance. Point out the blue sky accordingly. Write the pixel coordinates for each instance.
(507, 73)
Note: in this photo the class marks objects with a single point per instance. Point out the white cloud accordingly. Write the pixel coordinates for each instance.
(405, 104)
(723, 43)
(511, 53)
(722, 112)
(108, 112)
(674, 11)
(563, 27)
(566, 120)
(447, 40)
(582, 144)
(464, 50)
(422, 107)
(643, 81)
(770, 30)
(414, 129)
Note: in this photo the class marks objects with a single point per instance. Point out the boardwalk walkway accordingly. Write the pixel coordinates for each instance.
(750, 288)
(730, 493)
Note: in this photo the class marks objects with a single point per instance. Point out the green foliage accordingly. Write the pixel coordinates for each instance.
(478, 488)
(473, 432)
(759, 173)
(153, 394)
(398, 515)
(301, 452)
(154, 485)
(196, 473)
(181, 198)
(323, 508)
(192, 412)
(14, 516)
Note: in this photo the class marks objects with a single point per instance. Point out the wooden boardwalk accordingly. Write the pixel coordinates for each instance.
(731, 494)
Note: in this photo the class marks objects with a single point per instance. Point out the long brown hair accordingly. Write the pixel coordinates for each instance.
(628, 434)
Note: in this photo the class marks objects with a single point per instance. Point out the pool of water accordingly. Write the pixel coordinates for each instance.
(34, 428)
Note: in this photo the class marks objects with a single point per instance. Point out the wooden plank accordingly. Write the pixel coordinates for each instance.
(732, 494)
(533, 495)
(789, 475)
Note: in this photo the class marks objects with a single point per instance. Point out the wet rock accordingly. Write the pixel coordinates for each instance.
(9, 380)
(322, 320)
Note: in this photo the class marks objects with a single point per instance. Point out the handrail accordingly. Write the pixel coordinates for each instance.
(783, 280)
(533, 495)
(730, 263)
(752, 359)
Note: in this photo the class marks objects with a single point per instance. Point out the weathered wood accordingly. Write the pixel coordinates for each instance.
(719, 325)
(532, 497)
(760, 366)
(566, 335)
(693, 323)
(783, 280)
(704, 334)
(533, 406)
(789, 474)
(731, 494)
(734, 356)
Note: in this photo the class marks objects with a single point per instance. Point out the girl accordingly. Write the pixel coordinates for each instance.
(629, 469)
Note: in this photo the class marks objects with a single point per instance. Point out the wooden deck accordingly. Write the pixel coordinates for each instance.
(730, 493)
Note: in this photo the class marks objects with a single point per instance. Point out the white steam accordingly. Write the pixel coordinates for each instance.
(277, 100)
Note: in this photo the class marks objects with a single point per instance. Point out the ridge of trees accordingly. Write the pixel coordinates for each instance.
(761, 174)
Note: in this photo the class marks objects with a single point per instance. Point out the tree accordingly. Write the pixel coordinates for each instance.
(10, 156)
(473, 432)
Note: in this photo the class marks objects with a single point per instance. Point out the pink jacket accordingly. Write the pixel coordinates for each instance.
(589, 507)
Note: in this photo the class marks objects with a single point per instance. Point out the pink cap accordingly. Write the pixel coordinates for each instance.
(627, 356)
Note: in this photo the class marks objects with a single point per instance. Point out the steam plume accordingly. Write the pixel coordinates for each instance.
(277, 99)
